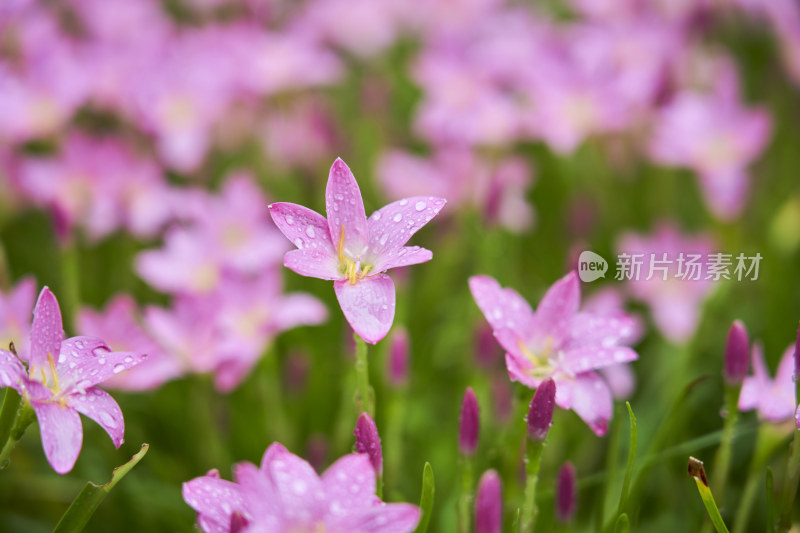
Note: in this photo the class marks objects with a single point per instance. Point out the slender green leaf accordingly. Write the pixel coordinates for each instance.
(626, 484)
(87, 501)
(770, 506)
(426, 500)
(8, 414)
(623, 524)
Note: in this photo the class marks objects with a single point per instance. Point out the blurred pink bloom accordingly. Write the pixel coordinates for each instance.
(61, 380)
(469, 424)
(397, 362)
(286, 494)
(557, 341)
(715, 136)
(229, 233)
(497, 189)
(369, 442)
(489, 503)
(354, 251)
(675, 303)
(773, 398)
(119, 324)
(15, 315)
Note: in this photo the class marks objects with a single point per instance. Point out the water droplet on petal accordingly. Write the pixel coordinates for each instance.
(376, 215)
(129, 359)
(420, 205)
(107, 419)
(398, 217)
(310, 231)
(119, 368)
(299, 243)
(338, 197)
(404, 202)
(384, 238)
(289, 219)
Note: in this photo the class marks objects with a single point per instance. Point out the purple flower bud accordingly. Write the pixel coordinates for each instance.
(737, 354)
(540, 415)
(398, 358)
(565, 493)
(489, 504)
(368, 441)
(469, 424)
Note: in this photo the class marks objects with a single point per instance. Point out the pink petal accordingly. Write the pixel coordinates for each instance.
(12, 371)
(304, 227)
(518, 370)
(313, 263)
(296, 484)
(46, 331)
(350, 482)
(503, 308)
(554, 314)
(258, 494)
(214, 500)
(592, 357)
(368, 305)
(98, 405)
(87, 361)
(591, 400)
(405, 256)
(785, 373)
(345, 208)
(590, 329)
(392, 226)
(298, 309)
(62, 434)
(383, 518)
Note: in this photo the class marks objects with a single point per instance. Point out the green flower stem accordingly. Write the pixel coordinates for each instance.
(465, 498)
(768, 441)
(25, 416)
(532, 465)
(790, 485)
(365, 400)
(626, 484)
(8, 413)
(393, 448)
(697, 471)
(722, 461)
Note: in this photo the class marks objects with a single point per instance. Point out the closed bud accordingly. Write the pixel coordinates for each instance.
(469, 424)
(489, 504)
(565, 493)
(737, 354)
(540, 415)
(368, 441)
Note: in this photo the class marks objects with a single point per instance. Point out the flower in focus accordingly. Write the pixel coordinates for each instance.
(558, 342)
(774, 399)
(354, 251)
(61, 382)
(286, 494)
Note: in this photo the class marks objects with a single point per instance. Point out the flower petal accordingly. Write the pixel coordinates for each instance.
(313, 263)
(504, 309)
(258, 495)
(98, 405)
(304, 227)
(518, 370)
(349, 484)
(298, 309)
(87, 361)
(215, 500)
(405, 256)
(296, 484)
(591, 329)
(381, 518)
(12, 371)
(47, 331)
(591, 400)
(62, 434)
(391, 226)
(591, 357)
(345, 208)
(554, 314)
(368, 305)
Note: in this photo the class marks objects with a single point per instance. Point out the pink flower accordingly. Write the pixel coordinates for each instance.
(286, 494)
(773, 398)
(15, 313)
(354, 251)
(557, 341)
(61, 382)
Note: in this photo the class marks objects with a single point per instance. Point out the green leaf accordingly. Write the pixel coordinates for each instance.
(626, 484)
(770, 510)
(8, 414)
(623, 525)
(426, 500)
(90, 498)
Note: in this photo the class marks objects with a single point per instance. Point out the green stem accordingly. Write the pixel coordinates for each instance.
(532, 466)
(465, 499)
(722, 460)
(365, 400)
(626, 484)
(25, 416)
(9, 413)
(790, 485)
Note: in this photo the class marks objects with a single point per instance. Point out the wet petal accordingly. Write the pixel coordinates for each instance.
(381, 518)
(62, 434)
(12, 371)
(519, 370)
(555, 312)
(591, 357)
(405, 256)
(313, 263)
(345, 209)
(504, 309)
(349, 484)
(47, 331)
(296, 483)
(591, 400)
(215, 500)
(98, 405)
(392, 226)
(87, 361)
(298, 309)
(368, 305)
(590, 329)
(304, 227)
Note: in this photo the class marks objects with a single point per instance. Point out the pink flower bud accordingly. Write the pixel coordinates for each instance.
(565, 493)
(737, 354)
(469, 424)
(368, 441)
(540, 415)
(489, 504)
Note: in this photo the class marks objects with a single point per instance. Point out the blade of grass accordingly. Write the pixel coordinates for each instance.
(426, 499)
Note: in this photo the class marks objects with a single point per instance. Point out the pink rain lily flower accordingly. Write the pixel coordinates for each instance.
(286, 494)
(61, 382)
(773, 398)
(354, 251)
(15, 311)
(559, 342)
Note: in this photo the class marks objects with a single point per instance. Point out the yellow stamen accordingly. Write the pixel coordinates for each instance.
(56, 387)
(341, 245)
(366, 270)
